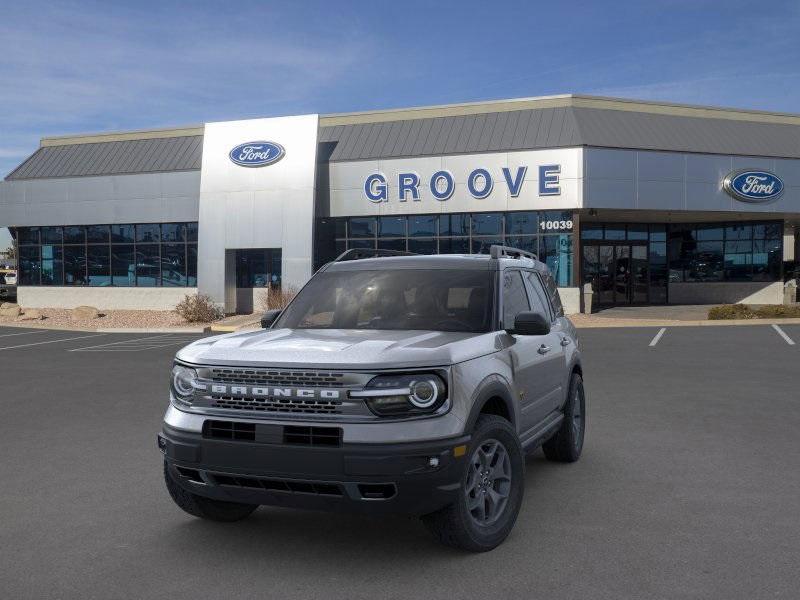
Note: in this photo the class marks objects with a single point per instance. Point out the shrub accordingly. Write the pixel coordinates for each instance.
(747, 311)
(198, 308)
(731, 311)
(778, 311)
(276, 297)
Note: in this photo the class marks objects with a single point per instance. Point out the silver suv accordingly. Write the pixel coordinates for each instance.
(394, 383)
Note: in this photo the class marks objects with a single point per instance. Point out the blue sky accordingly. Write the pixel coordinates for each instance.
(74, 67)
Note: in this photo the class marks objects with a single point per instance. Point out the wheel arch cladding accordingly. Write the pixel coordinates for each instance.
(494, 398)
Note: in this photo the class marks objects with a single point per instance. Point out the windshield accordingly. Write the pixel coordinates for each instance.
(436, 300)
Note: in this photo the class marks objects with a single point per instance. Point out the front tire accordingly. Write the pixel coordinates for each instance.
(205, 508)
(566, 445)
(491, 490)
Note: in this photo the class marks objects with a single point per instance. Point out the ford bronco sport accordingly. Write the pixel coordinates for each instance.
(393, 383)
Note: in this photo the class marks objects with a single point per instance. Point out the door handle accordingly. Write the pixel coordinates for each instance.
(565, 341)
(543, 349)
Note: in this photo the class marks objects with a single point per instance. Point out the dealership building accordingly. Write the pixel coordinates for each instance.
(651, 203)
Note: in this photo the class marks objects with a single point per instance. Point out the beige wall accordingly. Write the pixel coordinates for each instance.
(727, 292)
(108, 298)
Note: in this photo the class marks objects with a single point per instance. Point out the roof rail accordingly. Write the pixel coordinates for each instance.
(496, 251)
(359, 253)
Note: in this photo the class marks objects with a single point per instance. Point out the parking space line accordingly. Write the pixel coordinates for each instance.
(23, 333)
(145, 343)
(83, 337)
(658, 337)
(782, 333)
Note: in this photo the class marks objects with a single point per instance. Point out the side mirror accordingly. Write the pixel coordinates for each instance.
(531, 323)
(270, 317)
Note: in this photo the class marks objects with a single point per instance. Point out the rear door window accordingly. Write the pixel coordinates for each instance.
(515, 298)
(539, 301)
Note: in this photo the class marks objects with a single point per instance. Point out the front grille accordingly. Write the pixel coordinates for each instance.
(229, 430)
(278, 405)
(271, 377)
(312, 436)
(279, 485)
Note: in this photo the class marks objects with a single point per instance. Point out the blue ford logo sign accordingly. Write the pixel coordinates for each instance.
(753, 186)
(257, 154)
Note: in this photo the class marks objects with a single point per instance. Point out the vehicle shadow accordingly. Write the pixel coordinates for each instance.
(273, 532)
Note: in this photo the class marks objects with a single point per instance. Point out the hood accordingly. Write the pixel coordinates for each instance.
(340, 348)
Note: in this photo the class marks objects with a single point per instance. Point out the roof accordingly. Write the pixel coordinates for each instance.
(561, 122)
(183, 153)
(517, 124)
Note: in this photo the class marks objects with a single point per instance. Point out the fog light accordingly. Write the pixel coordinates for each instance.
(162, 443)
(433, 461)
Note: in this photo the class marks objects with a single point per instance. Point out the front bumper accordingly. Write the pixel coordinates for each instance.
(405, 478)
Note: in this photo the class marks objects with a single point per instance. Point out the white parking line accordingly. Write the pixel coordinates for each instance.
(137, 344)
(51, 341)
(658, 336)
(23, 333)
(782, 333)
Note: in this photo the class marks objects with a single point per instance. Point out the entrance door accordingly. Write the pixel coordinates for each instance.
(618, 272)
(256, 270)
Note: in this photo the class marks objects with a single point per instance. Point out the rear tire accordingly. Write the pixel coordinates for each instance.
(491, 490)
(566, 445)
(205, 508)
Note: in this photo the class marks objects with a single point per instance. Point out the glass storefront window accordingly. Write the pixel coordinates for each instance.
(75, 265)
(148, 233)
(98, 259)
(454, 225)
(51, 235)
(74, 235)
(459, 233)
(362, 227)
(591, 231)
(123, 265)
(173, 265)
(454, 245)
(97, 234)
(122, 234)
(614, 231)
(391, 227)
(191, 265)
(148, 265)
(395, 244)
(30, 264)
(529, 243)
(107, 255)
(27, 235)
(726, 252)
(522, 223)
(52, 265)
(420, 246)
(638, 232)
(481, 245)
(422, 226)
(487, 224)
(173, 232)
(739, 231)
(556, 252)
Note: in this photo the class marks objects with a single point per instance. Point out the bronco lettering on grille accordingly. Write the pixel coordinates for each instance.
(276, 392)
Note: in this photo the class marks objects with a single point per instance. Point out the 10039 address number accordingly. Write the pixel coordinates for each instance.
(556, 225)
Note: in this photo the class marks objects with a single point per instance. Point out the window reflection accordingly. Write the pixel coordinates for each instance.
(109, 255)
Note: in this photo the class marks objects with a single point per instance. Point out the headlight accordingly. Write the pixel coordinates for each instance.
(183, 379)
(404, 395)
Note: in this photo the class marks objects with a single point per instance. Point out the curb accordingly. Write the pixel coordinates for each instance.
(157, 330)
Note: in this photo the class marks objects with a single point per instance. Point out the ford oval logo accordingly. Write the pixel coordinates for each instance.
(753, 186)
(257, 154)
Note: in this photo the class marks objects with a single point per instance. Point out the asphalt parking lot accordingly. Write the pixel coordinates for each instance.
(689, 486)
